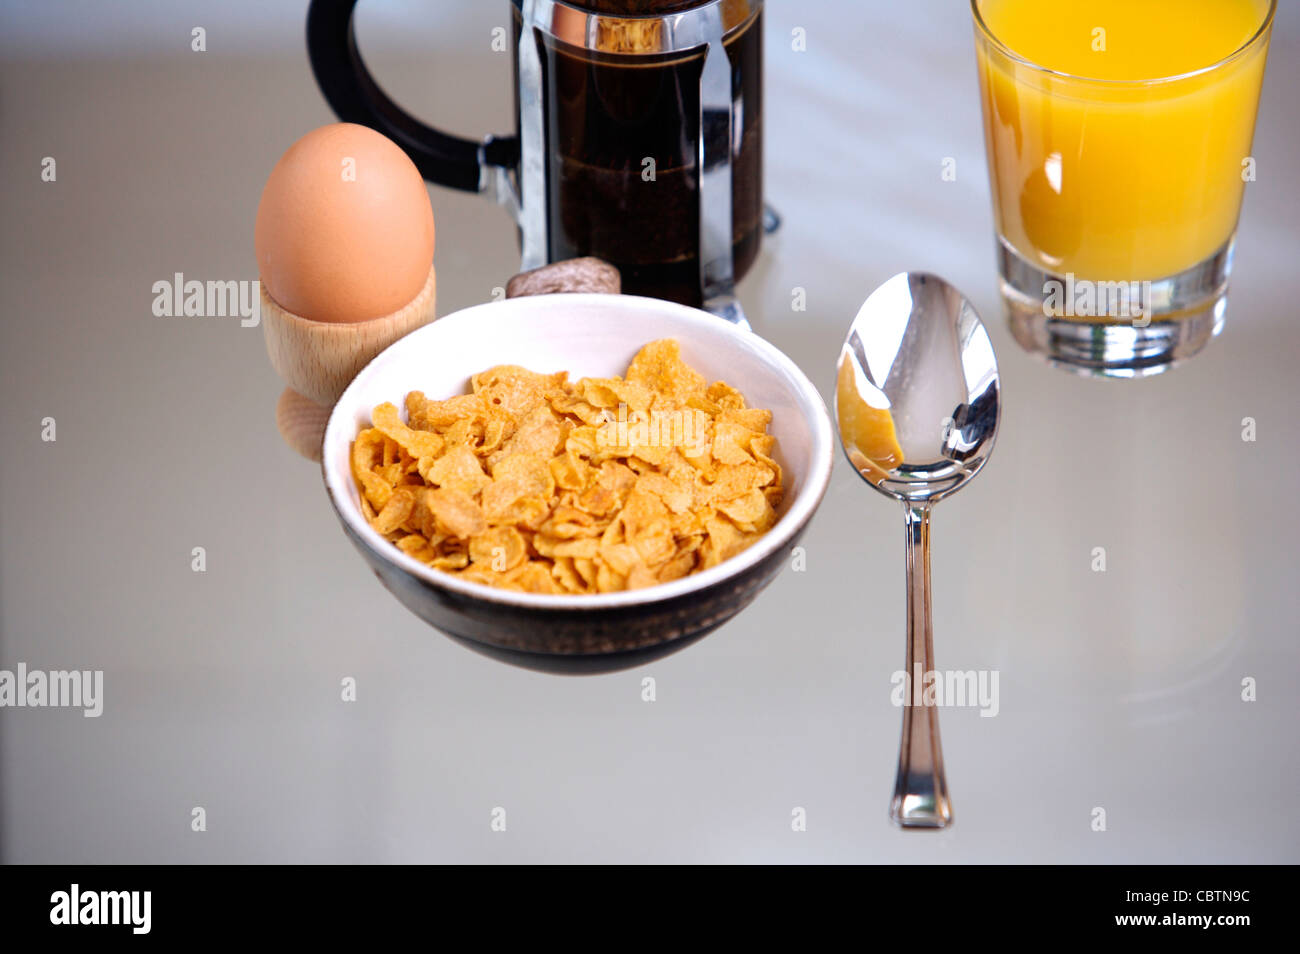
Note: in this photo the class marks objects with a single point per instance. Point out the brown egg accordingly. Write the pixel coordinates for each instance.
(344, 230)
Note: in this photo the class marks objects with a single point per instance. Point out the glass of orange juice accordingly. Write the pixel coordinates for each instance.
(1118, 135)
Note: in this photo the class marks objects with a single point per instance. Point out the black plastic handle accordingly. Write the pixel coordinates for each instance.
(354, 95)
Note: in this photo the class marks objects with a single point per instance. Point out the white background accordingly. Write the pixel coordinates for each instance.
(1118, 689)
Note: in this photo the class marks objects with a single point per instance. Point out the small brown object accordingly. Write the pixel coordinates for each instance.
(318, 359)
(571, 276)
(302, 423)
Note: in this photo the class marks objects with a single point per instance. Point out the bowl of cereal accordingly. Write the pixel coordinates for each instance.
(577, 482)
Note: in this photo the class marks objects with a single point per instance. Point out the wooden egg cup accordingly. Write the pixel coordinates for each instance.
(318, 359)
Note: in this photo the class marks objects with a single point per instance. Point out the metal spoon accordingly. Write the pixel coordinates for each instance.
(917, 401)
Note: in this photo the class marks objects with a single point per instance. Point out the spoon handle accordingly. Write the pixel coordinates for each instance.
(920, 790)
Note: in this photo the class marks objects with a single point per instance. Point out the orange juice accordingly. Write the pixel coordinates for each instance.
(1119, 131)
(868, 432)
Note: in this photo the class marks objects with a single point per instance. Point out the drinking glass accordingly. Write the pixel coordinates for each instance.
(1116, 200)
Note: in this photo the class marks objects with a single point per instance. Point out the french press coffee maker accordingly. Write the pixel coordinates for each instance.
(638, 136)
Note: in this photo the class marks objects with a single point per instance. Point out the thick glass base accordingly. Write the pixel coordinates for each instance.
(1114, 329)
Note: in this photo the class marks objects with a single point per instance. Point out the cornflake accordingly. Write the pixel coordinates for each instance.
(535, 483)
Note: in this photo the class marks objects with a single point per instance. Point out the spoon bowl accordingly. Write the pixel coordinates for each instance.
(918, 352)
(918, 402)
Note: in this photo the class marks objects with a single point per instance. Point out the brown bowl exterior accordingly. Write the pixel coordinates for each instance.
(569, 640)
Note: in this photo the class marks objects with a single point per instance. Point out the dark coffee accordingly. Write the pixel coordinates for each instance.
(622, 131)
(635, 8)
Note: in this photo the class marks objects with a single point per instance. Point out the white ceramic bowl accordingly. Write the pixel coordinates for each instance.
(594, 335)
